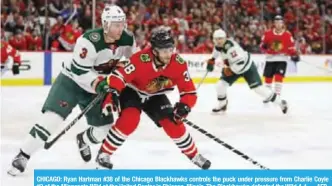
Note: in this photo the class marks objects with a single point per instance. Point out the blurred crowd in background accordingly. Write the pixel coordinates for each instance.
(34, 26)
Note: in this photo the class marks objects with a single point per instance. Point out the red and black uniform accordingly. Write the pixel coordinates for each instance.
(143, 86)
(277, 47)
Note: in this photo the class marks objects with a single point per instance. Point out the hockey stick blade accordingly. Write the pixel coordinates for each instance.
(226, 145)
(49, 144)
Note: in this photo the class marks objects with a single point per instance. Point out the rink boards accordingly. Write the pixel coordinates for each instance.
(41, 68)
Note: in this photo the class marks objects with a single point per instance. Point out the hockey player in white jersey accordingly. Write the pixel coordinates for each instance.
(96, 53)
(237, 63)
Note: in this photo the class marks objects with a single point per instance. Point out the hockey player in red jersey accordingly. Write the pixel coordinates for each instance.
(143, 82)
(10, 55)
(277, 44)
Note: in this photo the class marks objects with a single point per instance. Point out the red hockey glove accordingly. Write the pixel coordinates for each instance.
(180, 111)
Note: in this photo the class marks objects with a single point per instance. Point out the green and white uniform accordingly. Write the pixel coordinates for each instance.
(92, 57)
(240, 63)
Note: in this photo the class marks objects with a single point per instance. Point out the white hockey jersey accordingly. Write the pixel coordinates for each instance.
(93, 57)
(233, 56)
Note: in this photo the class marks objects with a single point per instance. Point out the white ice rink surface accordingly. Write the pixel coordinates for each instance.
(299, 140)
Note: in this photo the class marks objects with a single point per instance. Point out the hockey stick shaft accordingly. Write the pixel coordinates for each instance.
(49, 144)
(202, 80)
(226, 145)
(317, 66)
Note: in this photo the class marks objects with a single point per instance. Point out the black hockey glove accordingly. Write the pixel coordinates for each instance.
(16, 68)
(110, 103)
(265, 46)
(180, 111)
(295, 58)
(111, 100)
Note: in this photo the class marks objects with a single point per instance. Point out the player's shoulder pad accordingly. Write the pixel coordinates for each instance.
(83, 42)
(94, 35)
(288, 32)
(127, 38)
(269, 30)
(143, 56)
(178, 59)
(227, 45)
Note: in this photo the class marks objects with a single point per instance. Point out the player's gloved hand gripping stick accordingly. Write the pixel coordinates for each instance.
(110, 103)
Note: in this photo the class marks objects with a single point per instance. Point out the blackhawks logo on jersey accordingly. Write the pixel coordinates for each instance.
(277, 45)
(158, 84)
(145, 58)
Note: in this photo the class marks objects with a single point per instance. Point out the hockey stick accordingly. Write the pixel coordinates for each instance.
(202, 80)
(316, 66)
(219, 141)
(49, 144)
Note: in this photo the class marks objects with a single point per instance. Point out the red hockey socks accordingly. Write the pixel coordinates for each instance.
(278, 78)
(268, 82)
(124, 126)
(180, 136)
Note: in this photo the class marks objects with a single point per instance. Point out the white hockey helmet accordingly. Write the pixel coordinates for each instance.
(219, 33)
(112, 13)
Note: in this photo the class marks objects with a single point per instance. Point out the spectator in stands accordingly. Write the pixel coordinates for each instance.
(191, 21)
(304, 47)
(34, 41)
(56, 7)
(85, 19)
(18, 41)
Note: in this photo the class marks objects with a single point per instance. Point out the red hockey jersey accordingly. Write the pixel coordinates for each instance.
(141, 74)
(8, 51)
(277, 46)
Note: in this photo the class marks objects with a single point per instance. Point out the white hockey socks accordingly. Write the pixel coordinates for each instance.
(95, 135)
(268, 94)
(41, 131)
(221, 88)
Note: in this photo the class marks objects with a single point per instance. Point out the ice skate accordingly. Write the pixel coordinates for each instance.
(284, 106)
(84, 149)
(221, 107)
(18, 164)
(103, 161)
(201, 161)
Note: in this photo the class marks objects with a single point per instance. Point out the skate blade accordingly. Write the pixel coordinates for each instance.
(99, 167)
(221, 112)
(14, 172)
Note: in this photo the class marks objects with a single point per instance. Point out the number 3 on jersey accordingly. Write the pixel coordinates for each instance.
(186, 76)
(129, 68)
(83, 53)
